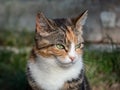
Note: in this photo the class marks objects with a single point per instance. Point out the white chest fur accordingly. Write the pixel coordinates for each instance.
(51, 76)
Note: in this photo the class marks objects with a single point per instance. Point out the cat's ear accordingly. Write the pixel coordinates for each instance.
(42, 24)
(80, 20)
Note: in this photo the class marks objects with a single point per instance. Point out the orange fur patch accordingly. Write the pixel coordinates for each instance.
(70, 36)
(79, 51)
(49, 52)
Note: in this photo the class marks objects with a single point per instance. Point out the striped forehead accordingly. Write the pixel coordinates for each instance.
(70, 36)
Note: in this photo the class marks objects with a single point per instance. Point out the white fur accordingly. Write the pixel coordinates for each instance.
(72, 52)
(50, 76)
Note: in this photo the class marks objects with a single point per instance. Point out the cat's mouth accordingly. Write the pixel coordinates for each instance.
(66, 64)
(69, 63)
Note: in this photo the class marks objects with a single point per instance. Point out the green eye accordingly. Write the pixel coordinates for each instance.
(79, 46)
(60, 46)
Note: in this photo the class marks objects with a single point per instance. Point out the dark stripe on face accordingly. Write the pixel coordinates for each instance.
(47, 46)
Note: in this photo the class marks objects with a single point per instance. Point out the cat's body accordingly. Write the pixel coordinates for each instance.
(56, 59)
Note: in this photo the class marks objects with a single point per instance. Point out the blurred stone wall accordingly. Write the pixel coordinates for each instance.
(103, 23)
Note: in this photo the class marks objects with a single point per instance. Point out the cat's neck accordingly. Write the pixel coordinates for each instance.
(49, 75)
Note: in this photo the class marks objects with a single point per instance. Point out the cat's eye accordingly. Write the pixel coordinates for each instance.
(80, 45)
(60, 46)
(77, 46)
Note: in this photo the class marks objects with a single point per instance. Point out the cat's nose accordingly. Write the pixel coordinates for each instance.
(72, 58)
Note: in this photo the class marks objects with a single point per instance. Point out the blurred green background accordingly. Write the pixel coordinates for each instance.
(101, 33)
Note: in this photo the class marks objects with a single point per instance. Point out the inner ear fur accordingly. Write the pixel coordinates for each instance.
(42, 23)
(80, 20)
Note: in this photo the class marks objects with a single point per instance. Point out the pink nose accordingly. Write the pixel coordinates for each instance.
(72, 58)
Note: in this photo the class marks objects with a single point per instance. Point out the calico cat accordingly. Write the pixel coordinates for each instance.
(56, 58)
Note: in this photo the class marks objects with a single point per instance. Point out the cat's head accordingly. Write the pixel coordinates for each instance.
(60, 39)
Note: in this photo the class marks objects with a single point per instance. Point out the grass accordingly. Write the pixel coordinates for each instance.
(16, 38)
(101, 67)
(12, 68)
